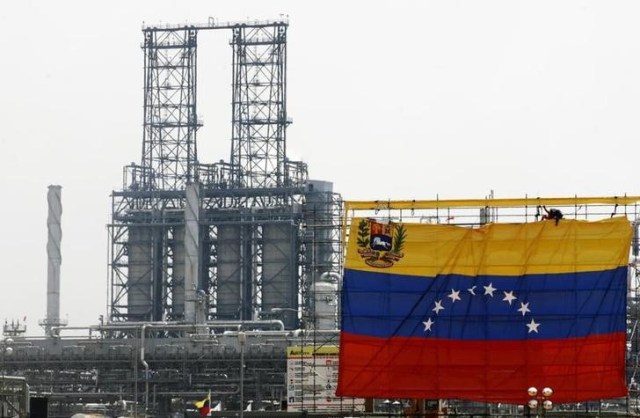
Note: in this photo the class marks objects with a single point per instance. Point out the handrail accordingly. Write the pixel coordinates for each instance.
(491, 203)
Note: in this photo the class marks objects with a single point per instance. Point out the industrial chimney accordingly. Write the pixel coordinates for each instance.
(54, 257)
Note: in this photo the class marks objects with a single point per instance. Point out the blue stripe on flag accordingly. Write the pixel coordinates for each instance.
(541, 306)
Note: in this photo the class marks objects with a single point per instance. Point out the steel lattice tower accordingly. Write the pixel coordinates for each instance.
(169, 153)
(258, 151)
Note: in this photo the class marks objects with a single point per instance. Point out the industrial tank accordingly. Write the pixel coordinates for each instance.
(279, 279)
(140, 277)
(229, 272)
(325, 301)
(319, 217)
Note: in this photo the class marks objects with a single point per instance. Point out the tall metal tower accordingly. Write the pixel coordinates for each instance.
(258, 152)
(246, 245)
(169, 152)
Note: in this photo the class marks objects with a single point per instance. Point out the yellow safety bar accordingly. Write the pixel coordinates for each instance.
(487, 203)
(350, 205)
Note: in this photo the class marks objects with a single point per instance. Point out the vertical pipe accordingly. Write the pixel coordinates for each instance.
(242, 340)
(54, 258)
(192, 248)
(25, 390)
(159, 254)
(146, 369)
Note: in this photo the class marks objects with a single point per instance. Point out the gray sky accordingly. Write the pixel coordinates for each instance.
(450, 98)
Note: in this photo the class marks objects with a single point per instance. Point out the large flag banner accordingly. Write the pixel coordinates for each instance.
(448, 312)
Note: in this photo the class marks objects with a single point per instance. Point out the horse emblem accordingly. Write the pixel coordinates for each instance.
(380, 244)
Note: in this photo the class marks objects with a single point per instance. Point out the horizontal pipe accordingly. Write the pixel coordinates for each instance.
(113, 326)
(210, 193)
(20, 379)
(258, 220)
(311, 332)
(127, 395)
(214, 24)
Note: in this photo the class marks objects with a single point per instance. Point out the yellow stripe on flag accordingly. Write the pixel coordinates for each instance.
(494, 249)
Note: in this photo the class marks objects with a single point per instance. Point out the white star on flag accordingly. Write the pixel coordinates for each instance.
(438, 307)
(454, 295)
(427, 324)
(509, 297)
(488, 290)
(533, 326)
(524, 308)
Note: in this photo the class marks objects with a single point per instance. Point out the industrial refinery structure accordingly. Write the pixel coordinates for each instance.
(200, 253)
(224, 277)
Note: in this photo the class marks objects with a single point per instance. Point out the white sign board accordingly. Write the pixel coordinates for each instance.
(312, 377)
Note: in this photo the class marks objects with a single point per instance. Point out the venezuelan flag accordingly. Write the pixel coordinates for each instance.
(204, 406)
(448, 312)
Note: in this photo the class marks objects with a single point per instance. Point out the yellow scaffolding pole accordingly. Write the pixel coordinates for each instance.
(352, 205)
(487, 203)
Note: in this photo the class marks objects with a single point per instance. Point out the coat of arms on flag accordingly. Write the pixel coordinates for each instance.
(380, 244)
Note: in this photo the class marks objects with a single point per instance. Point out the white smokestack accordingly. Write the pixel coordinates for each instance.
(54, 257)
(191, 249)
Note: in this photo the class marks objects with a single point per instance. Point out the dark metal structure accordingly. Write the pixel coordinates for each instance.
(256, 233)
(258, 151)
(169, 153)
(150, 373)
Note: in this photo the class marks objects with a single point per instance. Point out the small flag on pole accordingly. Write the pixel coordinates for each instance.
(204, 406)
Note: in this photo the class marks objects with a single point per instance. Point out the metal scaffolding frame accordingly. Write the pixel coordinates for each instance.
(256, 230)
(169, 152)
(258, 151)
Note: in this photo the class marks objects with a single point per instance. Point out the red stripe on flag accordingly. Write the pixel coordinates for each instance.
(577, 369)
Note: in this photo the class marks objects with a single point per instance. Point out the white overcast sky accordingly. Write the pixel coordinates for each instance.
(397, 99)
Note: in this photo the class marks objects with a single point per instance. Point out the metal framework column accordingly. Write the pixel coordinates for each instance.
(258, 151)
(169, 151)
